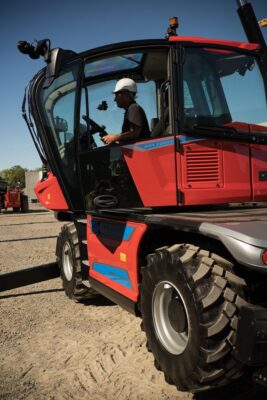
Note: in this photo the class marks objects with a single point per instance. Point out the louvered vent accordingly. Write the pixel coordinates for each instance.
(203, 168)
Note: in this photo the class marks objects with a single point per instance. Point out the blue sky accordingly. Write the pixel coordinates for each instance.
(80, 25)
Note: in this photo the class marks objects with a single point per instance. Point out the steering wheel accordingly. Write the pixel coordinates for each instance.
(95, 127)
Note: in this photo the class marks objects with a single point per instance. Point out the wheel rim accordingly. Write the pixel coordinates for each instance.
(67, 261)
(170, 317)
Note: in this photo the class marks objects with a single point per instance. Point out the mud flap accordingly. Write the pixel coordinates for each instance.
(24, 277)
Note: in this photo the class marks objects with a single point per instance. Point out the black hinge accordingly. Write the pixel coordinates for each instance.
(181, 55)
(178, 146)
(180, 196)
(175, 56)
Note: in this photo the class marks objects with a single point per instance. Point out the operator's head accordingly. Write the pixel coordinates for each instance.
(125, 92)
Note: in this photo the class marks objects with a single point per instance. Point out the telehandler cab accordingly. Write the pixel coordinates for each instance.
(174, 227)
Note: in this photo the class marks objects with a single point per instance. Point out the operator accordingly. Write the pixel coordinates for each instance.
(135, 123)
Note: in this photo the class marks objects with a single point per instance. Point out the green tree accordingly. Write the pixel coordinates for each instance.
(14, 176)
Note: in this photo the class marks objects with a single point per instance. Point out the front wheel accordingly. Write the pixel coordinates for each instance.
(189, 304)
(68, 257)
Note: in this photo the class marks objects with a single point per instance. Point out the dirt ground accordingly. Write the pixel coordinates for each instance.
(53, 348)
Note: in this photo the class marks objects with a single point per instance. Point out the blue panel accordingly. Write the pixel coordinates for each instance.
(128, 232)
(161, 143)
(111, 230)
(116, 274)
(157, 144)
(94, 226)
(190, 139)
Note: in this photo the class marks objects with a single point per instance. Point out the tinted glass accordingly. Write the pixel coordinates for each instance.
(111, 117)
(113, 64)
(57, 107)
(222, 87)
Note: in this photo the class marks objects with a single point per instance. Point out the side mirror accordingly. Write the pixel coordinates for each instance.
(54, 58)
(57, 58)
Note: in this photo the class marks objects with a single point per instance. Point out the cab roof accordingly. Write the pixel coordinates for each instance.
(201, 40)
(182, 39)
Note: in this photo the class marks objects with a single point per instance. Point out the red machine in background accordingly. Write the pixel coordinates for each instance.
(13, 198)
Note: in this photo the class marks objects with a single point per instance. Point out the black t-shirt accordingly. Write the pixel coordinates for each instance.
(135, 117)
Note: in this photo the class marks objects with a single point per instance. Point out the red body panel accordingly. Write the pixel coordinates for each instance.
(258, 154)
(213, 172)
(205, 171)
(215, 42)
(259, 172)
(112, 254)
(12, 198)
(151, 165)
(50, 195)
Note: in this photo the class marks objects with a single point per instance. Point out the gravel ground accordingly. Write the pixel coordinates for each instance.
(52, 348)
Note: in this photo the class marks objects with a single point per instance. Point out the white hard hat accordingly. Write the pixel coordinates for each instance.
(125, 84)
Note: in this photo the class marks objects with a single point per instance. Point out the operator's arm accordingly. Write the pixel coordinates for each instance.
(132, 134)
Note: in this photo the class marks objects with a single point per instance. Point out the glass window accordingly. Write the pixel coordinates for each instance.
(188, 103)
(222, 87)
(245, 95)
(58, 107)
(3, 186)
(113, 64)
(104, 111)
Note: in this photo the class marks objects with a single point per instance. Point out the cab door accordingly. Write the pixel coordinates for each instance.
(106, 179)
(57, 106)
(135, 174)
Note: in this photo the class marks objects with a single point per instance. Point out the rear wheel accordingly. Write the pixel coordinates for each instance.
(189, 303)
(68, 257)
(24, 204)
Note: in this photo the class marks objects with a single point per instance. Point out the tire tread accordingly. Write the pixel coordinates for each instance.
(76, 291)
(218, 294)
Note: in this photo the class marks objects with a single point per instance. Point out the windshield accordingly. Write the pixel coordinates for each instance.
(223, 87)
(56, 105)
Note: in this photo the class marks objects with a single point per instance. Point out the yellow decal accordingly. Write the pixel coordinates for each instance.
(48, 196)
(123, 257)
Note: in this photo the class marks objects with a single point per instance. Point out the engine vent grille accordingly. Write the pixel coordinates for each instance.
(203, 168)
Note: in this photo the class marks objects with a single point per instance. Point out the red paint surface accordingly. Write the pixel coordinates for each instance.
(215, 42)
(107, 250)
(50, 195)
(214, 172)
(12, 198)
(259, 167)
(153, 172)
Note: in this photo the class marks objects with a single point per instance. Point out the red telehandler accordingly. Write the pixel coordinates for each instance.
(172, 227)
(13, 198)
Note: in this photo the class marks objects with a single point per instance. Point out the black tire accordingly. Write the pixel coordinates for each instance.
(68, 257)
(189, 304)
(24, 204)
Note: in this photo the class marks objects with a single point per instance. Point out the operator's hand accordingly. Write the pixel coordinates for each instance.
(111, 138)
